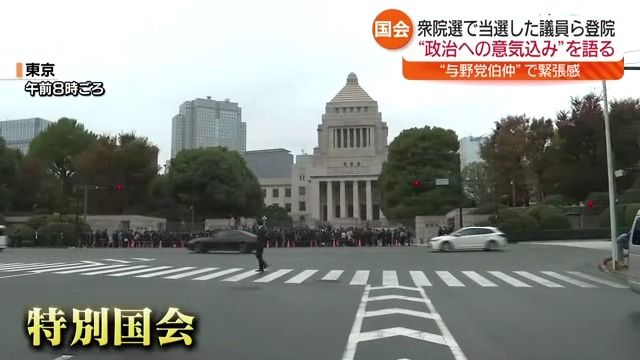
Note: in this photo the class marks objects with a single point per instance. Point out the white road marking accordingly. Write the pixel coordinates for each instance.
(301, 277)
(538, 279)
(449, 279)
(91, 262)
(481, 280)
(114, 270)
(419, 278)
(64, 357)
(598, 280)
(35, 266)
(449, 339)
(389, 278)
(395, 297)
(29, 266)
(16, 275)
(217, 274)
(194, 272)
(273, 276)
(145, 276)
(360, 278)
(118, 261)
(392, 287)
(356, 336)
(569, 280)
(142, 259)
(242, 276)
(94, 268)
(140, 271)
(333, 275)
(508, 279)
(352, 342)
(396, 311)
(58, 268)
(9, 266)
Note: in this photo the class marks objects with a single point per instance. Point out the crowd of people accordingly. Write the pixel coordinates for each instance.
(276, 237)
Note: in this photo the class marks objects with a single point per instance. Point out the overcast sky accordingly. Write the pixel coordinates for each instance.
(280, 60)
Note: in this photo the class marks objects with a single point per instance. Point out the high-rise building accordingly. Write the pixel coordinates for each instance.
(18, 134)
(208, 123)
(470, 150)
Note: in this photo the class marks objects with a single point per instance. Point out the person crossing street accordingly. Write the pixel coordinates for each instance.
(260, 241)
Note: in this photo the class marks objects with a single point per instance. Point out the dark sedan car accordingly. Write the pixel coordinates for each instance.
(239, 240)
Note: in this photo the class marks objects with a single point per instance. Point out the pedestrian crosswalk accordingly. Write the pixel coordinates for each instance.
(394, 278)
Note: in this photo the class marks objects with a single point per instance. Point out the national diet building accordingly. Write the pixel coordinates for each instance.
(338, 183)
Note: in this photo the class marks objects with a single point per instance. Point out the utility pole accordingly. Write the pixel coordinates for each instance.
(513, 193)
(613, 224)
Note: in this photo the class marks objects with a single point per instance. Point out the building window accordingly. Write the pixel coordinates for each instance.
(302, 190)
(345, 164)
(358, 136)
(358, 163)
(337, 132)
(287, 206)
(302, 206)
(287, 192)
(351, 164)
(301, 217)
(366, 109)
(264, 193)
(337, 110)
(350, 109)
(301, 177)
(358, 108)
(275, 193)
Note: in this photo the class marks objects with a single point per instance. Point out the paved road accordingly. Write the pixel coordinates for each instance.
(532, 301)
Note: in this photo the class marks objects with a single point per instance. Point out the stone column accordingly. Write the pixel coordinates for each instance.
(356, 200)
(369, 201)
(330, 207)
(343, 200)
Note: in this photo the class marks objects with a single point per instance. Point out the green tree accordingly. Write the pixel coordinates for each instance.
(59, 145)
(505, 153)
(277, 216)
(539, 155)
(478, 183)
(161, 202)
(126, 159)
(625, 132)
(581, 149)
(217, 182)
(425, 154)
(9, 164)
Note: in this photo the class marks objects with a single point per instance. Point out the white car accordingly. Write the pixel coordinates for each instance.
(634, 255)
(4, 241)
(487, 238)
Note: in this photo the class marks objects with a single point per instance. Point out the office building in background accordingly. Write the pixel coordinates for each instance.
(18, 134)
(205, 123)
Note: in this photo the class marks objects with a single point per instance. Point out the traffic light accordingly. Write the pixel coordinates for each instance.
(590, 204)
(119, 187)
(415, 183)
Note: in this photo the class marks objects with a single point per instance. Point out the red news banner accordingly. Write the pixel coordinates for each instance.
(536, 48)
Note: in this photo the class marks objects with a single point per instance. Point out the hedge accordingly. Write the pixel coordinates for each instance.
(545, 235)
(555, 222)
(539, 211)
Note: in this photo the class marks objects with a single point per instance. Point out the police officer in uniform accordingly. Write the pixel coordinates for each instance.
(262, 234)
